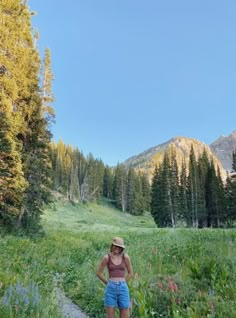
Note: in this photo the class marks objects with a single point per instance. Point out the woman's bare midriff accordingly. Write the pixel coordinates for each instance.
(117, 279)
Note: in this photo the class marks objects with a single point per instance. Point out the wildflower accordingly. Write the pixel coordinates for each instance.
(212, 306)
(172, 286)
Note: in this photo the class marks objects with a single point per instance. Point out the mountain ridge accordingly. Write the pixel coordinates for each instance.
(223, 148)
(148, 159)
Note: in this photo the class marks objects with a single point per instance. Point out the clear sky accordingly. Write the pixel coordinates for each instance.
(132, 74)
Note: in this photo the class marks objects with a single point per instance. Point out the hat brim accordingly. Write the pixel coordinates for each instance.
(122, 246)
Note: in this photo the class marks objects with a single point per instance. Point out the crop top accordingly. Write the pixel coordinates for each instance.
(116, 270)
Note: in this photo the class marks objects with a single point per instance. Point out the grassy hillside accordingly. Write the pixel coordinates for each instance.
(93, 217)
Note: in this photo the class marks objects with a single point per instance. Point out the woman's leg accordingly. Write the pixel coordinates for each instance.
(110, 312)
(124, 313)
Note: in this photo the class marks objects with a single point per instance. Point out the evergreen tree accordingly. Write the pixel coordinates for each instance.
(174, 187)
(120, 187)
(230, 194)
(36, 158)
(155, 199)
(193, 190)
(161, 205)
(74, 192)
(20, 98)
(83, 177)
(183, 197)
(95, 177)
(47, 94)
(131, 191)
(202, 172)
(12, 181)
(213, 217)
(221, 201)
(107, 183)
(146, 192)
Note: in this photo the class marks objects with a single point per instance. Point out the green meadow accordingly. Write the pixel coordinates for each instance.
(178, 272)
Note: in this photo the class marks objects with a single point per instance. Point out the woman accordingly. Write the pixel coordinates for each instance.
(117, 292)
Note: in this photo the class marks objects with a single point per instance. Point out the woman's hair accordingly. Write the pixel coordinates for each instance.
(121, 248)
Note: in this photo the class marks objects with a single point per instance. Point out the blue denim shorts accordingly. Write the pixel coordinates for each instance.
(117, 295)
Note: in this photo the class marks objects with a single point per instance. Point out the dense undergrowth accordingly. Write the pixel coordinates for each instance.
(178, 273)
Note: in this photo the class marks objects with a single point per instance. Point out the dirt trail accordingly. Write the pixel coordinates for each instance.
(67, 307)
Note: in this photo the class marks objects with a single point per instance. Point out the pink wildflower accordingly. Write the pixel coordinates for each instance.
(212, 306)
(172, 286)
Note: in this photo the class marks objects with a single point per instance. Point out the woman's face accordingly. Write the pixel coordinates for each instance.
(116, 249)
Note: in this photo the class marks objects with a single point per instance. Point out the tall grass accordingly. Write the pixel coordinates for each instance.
(178, 273)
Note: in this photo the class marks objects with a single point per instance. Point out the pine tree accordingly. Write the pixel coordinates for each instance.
(174, 187)
(12, 181)
(155, 201)
(131, 191)
(230, 194)
(37, 170)
(20, 97)
(221, 201)
(107, 183)
(202, 172)
(183, 197)
(47, 94)
(120, 187)
(193, 190)
(74, 189)
(161, 205)
(212, 199)
(146, 192)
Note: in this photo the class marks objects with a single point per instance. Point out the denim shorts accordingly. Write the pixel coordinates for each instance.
(117, 295)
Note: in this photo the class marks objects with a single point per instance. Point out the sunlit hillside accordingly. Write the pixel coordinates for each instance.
(152, 157)
(93, 217)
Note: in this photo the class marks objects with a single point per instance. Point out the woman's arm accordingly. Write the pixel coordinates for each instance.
(101, 268)
(128, 267)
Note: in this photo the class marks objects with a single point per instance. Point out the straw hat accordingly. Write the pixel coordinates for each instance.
(118, 241)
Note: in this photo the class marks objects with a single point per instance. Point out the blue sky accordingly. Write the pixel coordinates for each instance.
(131, 74)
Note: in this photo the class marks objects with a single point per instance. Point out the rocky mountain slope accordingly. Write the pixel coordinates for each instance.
(147, 160)
(223, 148)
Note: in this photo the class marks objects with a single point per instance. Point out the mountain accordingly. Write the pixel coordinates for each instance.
(147, 160)
(223, 148)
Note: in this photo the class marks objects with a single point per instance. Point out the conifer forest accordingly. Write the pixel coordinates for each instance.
(33, 167)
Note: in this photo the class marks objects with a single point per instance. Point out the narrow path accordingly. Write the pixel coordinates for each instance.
(67, 307)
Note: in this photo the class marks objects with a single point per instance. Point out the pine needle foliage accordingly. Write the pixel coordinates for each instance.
(24, 128)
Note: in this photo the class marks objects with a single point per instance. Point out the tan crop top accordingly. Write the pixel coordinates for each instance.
(116, 270)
